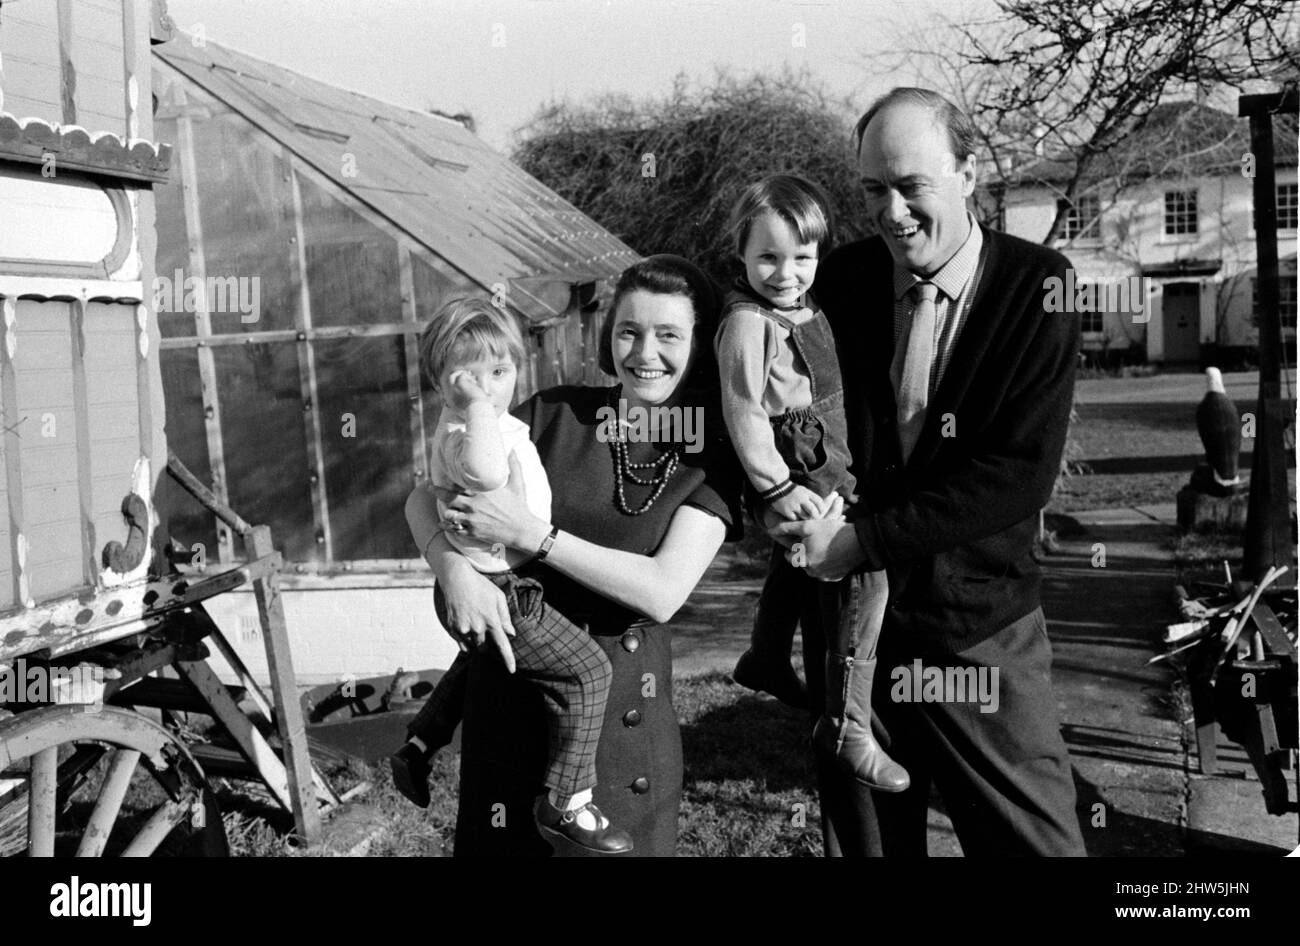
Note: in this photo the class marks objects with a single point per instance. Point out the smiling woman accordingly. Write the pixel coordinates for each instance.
(634, 524)
(651, 346)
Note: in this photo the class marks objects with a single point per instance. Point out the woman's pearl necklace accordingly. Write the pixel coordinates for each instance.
(664, 466)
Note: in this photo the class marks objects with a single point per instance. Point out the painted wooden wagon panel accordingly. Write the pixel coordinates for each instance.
(29, 45)
(82, 451)
(43, 44)
(69, 393)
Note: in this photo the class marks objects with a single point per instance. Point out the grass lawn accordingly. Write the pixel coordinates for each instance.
(1115, 490)
(742, 797)
(749, 788)
(1138, 438)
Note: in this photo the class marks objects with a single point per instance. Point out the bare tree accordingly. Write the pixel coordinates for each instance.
(1085, 76)
(1060, 88)
(663, 173)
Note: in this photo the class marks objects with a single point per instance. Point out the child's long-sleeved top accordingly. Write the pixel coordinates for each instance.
(763, 376)
(448, 472)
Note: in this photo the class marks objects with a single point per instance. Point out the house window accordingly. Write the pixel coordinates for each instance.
(1180, 213)
(1080, 220)
(1284, 197)
(1092, 321)
(1286, 301)
(1288, 210)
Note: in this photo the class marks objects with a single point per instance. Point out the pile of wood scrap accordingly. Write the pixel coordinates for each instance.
(1238, 644)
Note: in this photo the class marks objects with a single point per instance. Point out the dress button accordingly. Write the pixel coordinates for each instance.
(641, 785)
(632, 718)
(630, 642)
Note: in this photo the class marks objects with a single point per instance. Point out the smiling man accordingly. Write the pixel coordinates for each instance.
(957, 386)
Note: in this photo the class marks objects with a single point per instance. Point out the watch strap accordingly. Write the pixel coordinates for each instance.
(545, 548)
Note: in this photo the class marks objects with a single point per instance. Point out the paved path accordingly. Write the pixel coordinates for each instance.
(1107, 595)
(1135, 770)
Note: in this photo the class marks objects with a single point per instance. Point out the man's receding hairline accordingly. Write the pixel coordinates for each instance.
(932, 109)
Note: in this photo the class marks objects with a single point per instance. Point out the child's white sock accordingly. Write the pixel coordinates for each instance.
(419, 744)
(586, 820)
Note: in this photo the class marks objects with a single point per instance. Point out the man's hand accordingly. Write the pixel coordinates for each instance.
(827, 548)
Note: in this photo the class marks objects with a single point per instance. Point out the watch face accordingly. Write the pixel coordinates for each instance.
(548, 542)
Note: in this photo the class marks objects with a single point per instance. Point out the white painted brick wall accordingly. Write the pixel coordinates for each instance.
(334, 633)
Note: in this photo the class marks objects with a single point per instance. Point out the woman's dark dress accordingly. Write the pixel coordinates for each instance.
(639, 762)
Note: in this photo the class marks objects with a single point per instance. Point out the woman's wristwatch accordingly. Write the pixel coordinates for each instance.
(545, 548)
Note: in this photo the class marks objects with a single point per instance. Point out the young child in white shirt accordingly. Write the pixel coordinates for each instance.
(471, 352)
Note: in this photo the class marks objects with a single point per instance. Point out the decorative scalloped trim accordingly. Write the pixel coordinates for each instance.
(75, 148)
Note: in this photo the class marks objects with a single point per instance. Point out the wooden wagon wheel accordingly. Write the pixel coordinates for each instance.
(127, 738)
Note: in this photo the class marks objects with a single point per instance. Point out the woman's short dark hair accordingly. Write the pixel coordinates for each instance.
(669, 275)
(961, 130)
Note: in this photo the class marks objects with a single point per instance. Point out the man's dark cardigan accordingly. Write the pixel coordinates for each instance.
(956, 526)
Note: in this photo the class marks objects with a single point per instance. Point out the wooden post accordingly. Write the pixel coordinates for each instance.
(296, 773)
(13, 465)
(573, 353)
(311, 418)
(81, 430)
(263, 716)
(137, 16)
(1268, 518)
(411, 347)
(67, 72)
(252, 744)
(284, 689)
(202, 318)
(42, 802)
(131, 81)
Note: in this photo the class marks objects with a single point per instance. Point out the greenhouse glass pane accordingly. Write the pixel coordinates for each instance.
(366, 437)
(351, 265)
(268, 466)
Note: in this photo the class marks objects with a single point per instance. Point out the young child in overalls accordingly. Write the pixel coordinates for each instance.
(471, 352)
(782, 397)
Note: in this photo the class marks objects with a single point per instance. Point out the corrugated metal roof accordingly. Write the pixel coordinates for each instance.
(429, 175)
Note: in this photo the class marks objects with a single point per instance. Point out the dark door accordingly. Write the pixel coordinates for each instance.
(1182, 319)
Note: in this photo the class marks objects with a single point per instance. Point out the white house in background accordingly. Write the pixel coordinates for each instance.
(1180, 231)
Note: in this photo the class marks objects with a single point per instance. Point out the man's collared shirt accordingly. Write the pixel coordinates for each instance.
(956, 281)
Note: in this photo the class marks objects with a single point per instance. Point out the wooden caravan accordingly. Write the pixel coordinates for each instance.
(89, 607)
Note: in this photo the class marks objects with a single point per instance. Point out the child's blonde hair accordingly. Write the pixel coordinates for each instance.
(465, 329)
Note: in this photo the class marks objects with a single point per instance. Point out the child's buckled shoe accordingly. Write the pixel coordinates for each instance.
(557, 824)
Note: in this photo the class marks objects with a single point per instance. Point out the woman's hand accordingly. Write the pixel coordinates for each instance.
(476, 608)
(500, 517)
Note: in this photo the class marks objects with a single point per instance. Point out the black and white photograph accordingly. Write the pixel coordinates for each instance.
(681, 428)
